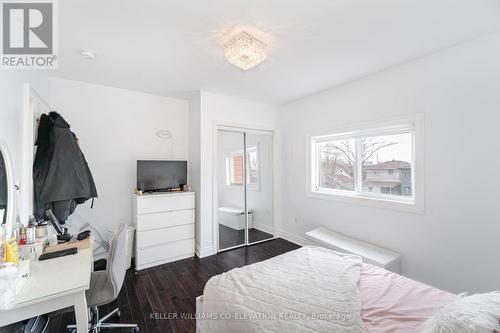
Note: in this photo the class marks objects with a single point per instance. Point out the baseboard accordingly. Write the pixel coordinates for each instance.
(302, 241)
(204, 252)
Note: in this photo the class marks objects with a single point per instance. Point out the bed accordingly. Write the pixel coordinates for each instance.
(300, 281)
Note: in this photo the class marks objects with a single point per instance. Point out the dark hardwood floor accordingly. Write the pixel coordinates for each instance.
(229, 237)
(171, 289)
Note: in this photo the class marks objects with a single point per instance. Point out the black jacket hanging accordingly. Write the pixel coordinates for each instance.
(61, 176)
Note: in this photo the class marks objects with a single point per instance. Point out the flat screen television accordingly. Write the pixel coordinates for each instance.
(161, 175)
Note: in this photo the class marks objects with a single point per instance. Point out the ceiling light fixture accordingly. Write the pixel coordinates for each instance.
(245, 51)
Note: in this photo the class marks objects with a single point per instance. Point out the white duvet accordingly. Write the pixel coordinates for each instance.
(311, 289)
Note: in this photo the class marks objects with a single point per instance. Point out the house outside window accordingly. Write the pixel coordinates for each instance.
(371, 165)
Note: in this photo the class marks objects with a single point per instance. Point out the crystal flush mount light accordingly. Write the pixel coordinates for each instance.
(245, 51)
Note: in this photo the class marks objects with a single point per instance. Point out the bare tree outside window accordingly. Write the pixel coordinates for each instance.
(336, 164)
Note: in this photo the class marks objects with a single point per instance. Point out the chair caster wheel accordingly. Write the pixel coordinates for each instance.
(118, 314)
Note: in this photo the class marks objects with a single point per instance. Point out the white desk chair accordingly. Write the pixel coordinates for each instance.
(106, 285)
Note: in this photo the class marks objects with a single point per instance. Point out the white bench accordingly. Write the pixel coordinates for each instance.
(370, 253)
(234, 217)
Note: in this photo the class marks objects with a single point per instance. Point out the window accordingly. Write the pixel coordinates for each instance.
(385, 190)
(235, 172)
(336, 165)
(253, 177)
(376, 163)
(235, 168)
(386, 162)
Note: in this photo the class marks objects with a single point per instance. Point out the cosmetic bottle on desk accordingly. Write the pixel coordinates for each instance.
(22, 236)
(31, 231)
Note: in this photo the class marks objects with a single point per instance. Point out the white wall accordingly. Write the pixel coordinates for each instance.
(116, 128)
(11, 116)
(229, 110)
(194, 170)
(454, 245)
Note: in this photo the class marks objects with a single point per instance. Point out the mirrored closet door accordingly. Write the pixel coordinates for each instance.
(244, 180)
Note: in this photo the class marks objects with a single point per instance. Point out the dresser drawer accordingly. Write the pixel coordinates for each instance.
(164, 253)
(164, 236)
(164, 203)
(165, 219)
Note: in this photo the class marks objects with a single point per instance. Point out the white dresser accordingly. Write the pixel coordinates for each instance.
(164, 228)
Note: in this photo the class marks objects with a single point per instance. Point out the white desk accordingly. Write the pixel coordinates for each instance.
(53, 285)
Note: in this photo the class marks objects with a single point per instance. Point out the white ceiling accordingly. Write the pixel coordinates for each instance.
(172, 47)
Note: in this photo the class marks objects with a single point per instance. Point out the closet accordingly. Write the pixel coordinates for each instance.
(244, 186)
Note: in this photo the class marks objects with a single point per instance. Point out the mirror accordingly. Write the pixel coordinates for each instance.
(3, 191)
(7, 208)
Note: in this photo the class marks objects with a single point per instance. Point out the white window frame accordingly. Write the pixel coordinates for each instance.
(415, 203)
(229, 180)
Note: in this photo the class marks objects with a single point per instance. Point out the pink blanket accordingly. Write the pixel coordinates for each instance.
(392, 303)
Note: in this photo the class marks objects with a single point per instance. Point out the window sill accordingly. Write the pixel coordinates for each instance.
(369, 201)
